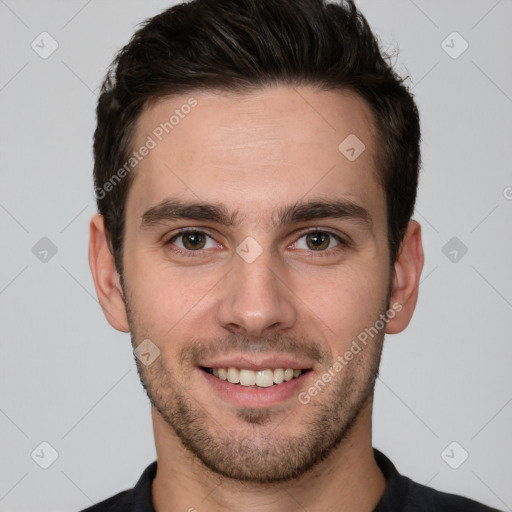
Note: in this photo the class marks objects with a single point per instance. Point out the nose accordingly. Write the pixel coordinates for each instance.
(256, 300)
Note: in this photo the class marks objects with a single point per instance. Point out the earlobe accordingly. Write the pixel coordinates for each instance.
(406, 278)
(105, 275)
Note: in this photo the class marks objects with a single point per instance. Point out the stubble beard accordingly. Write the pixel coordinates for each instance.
(259, 452)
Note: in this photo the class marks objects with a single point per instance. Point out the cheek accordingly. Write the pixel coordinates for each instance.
(349, 302)
(167, 301)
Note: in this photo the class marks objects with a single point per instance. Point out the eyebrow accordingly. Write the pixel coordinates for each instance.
(175, 209)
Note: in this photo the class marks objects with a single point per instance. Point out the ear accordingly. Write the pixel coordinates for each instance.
(105, 275)
(406, 278)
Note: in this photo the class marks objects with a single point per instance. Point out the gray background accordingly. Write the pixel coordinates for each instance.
(69, 379)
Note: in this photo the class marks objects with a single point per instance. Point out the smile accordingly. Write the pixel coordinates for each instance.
(256, 379)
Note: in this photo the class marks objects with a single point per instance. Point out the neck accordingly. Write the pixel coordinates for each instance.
(349, 479)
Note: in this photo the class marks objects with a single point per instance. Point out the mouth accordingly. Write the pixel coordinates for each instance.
(264, 378)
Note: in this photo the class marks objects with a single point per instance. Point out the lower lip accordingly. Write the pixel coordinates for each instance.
(244, 396)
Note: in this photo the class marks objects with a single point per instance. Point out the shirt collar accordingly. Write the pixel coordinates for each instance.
(140, 498)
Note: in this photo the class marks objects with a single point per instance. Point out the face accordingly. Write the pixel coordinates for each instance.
(256, 250)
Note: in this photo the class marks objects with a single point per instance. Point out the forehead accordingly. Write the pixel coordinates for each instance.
(256, 151)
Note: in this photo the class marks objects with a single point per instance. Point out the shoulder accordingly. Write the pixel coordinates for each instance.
(441, 501)
(109, 504)
(137, 499)
(404, 495)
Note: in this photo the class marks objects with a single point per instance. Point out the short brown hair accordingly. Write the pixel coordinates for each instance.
(238, 45)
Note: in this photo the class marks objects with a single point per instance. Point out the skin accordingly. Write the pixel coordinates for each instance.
(256, 153)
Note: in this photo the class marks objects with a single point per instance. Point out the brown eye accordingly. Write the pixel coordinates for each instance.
(318, 240)
(322, 242)
(193, 240)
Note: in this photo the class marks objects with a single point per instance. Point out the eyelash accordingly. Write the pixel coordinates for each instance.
(194, 254)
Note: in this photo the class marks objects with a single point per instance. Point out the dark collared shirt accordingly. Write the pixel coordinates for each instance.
(401, 495)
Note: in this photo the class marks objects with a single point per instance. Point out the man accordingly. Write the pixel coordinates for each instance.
(256, 165)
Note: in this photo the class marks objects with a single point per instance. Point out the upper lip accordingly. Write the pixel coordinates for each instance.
(258, 363)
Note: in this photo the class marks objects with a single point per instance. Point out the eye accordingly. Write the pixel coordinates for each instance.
(319, 241)
(191, 240)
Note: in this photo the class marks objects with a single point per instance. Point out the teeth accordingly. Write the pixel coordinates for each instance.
(278, 376)
(261, 378)
(265, 378)
(233, 375)
(247, 378)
